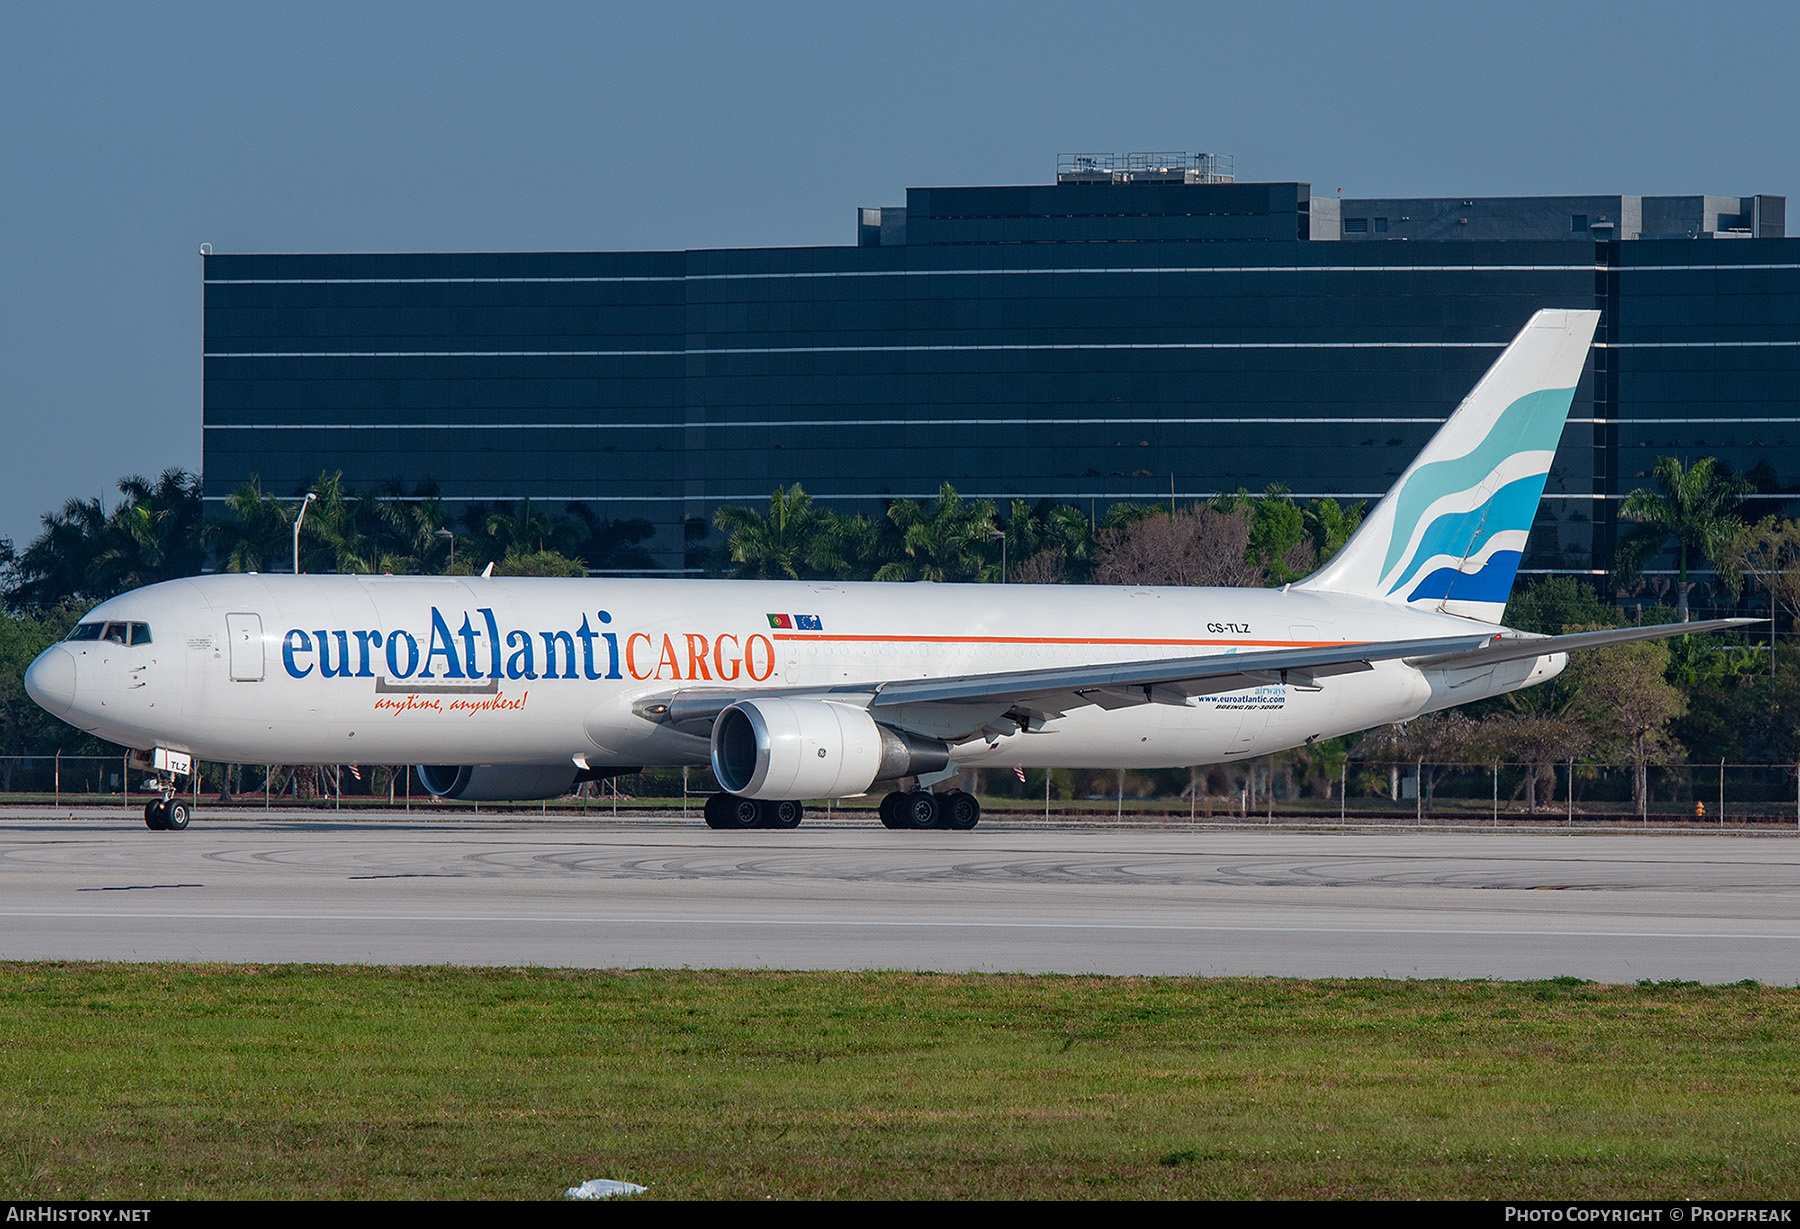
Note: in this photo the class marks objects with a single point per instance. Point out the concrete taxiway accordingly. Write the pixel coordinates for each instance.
(1607, 906)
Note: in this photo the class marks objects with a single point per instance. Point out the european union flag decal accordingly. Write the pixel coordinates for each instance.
(809, 623)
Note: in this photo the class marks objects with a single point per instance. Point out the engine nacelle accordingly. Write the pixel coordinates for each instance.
(791, 749)
(498, 782)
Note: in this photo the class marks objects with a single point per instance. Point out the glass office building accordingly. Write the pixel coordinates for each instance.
(1112, 336)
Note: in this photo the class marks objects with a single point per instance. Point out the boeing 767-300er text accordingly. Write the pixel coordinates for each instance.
(518, 688)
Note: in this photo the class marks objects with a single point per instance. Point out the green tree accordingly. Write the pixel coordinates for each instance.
(405, 528)
(1691, 506)
(538, 563)
(1330, 525)
(524, 530)
(1048, 542)
(1629, 703)
(26, 729)
(1770, 551)
(781, 545)
(256, 536)
(1280, 541)
(155, 534)
(949, 539)
(86, 554)
(1553, 605)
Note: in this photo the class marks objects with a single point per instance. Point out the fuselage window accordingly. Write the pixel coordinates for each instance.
(87, 631)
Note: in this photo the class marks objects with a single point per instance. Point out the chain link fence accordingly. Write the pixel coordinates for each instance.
(1273, 790)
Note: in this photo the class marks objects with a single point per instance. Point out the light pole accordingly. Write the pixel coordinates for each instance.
(445, 533)
(1001, 534)
(299, 521)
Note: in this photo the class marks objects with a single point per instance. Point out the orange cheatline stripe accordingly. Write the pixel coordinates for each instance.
(1076, 640)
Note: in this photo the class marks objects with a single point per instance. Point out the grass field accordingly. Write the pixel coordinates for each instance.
(123, 1081)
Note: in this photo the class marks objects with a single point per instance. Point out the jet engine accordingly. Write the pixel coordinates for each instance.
(498, 782)
(789, 749)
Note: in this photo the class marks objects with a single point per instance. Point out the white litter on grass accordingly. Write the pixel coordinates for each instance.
(604, 1188)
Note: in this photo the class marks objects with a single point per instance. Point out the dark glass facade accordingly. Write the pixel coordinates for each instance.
(1087, 347)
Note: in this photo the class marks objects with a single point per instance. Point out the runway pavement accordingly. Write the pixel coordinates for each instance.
(1396, 903)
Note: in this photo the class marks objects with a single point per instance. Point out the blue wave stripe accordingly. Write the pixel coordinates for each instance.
(1461, 534)
(1533, 423)
(1493, 583)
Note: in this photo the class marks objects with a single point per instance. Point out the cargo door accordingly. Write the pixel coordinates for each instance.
(244, 631)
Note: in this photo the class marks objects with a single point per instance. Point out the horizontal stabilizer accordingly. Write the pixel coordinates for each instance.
(1518, 648)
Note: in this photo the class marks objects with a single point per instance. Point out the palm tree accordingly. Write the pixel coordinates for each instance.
(402, 529)
(257, 535)
(85, 554)
(1331, 525)
(952, 539)
(57, 566)
(782, 544)
(1694, 506)
(1051, 537)
(154, 535)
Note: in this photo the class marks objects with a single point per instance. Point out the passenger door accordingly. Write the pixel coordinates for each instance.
(244, 631)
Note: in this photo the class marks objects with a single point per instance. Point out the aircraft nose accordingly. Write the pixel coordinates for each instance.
(50, 680)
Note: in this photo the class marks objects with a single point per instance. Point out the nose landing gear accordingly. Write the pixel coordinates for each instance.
(167, 815)
(168, 812)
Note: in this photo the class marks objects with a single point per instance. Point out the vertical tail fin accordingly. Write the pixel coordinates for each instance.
(1451, 532)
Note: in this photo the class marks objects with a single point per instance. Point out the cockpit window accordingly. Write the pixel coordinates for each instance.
(117, 633)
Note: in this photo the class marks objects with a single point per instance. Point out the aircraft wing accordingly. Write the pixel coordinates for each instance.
(1137, 682)
(963, 704)
(1035, 695)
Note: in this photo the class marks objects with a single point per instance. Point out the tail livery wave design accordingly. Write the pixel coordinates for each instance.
(1451, 532)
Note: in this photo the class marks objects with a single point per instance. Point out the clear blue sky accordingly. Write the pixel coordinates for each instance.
(130, 134)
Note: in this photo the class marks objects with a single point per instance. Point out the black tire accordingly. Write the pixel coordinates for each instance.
(715, 809)
(740, 813)
(156, 816)
(920, 811)
(176, 815)
(783, 814)
(890, 809)
(961, 811)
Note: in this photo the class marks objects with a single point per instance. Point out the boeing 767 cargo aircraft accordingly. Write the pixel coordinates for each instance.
(518, 688)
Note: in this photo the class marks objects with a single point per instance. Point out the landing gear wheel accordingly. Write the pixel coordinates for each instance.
(715, 810)
(739, 813)
(961, 811)
(782, 814)
(920, 811)
(175, 815)
(156, 815)
(890, 810)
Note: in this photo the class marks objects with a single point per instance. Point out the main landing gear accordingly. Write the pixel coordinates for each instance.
(730, 811)
(920, 810)
(917, 810)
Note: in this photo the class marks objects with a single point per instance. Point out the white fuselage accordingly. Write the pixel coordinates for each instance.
(454, 670)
